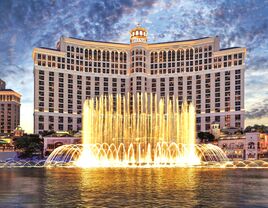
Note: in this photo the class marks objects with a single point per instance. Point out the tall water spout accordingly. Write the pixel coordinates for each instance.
(137, 130)
(142, 122)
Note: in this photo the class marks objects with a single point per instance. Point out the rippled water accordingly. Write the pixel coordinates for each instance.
(133, 187)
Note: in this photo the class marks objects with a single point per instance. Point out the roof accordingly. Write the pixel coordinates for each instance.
(10, 90)
(149, 43)
(223, 49)
(99, 41)
(181, 40)
(6, 91)
(53, 49)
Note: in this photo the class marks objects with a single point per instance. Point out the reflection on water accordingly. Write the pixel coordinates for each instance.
(133, 187)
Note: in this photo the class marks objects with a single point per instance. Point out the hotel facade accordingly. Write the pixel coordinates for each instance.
(196, 70)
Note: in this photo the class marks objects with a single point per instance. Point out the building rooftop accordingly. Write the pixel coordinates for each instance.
(53, 49)
(177, 41)
(223, 49)
(7, 90)
(99, 41)
(181, 40)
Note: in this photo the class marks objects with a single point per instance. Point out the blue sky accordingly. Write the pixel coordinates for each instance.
(27, 24)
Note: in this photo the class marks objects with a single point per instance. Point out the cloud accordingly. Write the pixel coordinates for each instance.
(259, 110)
(28, 24)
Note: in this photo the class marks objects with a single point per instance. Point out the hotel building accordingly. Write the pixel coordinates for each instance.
(196, 70)
(9, 109)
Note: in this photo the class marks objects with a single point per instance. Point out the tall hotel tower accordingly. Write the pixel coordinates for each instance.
(196, 70)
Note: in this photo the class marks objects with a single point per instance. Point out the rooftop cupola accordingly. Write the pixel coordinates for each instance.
(138, 35)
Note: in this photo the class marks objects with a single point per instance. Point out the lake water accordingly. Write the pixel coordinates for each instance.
(133, 187)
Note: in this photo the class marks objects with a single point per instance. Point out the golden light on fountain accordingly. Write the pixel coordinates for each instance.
(137, 130)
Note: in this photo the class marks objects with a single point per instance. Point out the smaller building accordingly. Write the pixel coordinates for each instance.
(18, 132)
(248, 146)
(9, 109)
(233, 146)
(57, 139)
(257, 145)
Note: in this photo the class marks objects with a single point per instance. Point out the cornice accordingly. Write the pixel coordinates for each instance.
(229, 51)
(11, 92)
(48, 52)
(181, 44)
(88, 43)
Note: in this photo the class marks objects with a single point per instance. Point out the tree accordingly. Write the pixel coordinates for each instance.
(29, 145)
(258, 128)
(206, 137)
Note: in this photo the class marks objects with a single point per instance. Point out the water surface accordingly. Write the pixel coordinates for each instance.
(133, 187)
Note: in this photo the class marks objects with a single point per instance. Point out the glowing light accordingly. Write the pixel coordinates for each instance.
(142, 130)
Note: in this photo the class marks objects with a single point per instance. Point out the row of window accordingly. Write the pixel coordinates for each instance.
(52, 124)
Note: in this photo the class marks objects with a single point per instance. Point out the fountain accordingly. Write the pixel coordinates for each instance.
(136, 130)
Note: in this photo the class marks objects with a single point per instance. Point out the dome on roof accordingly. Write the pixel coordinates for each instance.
(138, 34)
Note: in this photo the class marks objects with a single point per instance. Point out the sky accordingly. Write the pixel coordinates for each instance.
(27, 24)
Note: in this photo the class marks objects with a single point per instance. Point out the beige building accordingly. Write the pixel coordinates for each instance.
(57, 139)
(9, 109)
(249, 146)
(196, 70)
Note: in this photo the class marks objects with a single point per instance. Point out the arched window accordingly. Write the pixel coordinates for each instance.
(187, 54)
(191, 54)
(103, 55)
(169, 55)
(164, 56)
(182, 55)
(108, 56)
(178, 55)
(57, 144)
(95, 55)
(121, 57)
(251, 145)
(173, 56)
(161, 56)
(68, 48)
(99, 55)
(116, 56)
(86, 53)
(112, 56)
(152, 57)
(125, 57)
(90, 54)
